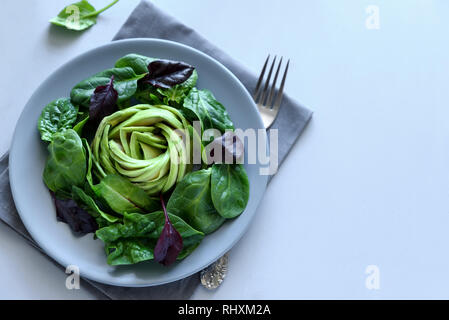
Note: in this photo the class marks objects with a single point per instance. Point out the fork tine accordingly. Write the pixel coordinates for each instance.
(267, 82)
(256, 91)
(277, 104)
(273, 86)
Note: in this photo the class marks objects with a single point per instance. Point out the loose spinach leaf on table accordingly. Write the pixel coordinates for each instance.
(229, 189)
(66, 163)
(191, 200)
(211, 113)
(79, 16)
(58, 115)
(144, 229)
(125, 82)
(123, 196)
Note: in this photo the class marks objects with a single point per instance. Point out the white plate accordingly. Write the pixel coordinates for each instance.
(28, 155)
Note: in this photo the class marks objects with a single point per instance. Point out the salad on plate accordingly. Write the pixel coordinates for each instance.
(144, 160)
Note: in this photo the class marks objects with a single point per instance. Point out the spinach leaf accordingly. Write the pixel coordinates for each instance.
(80, 122)
(125, 82)
(210, 112)
(79, 16)
(139, 227)
(68, 211)
(66, 164)
(135, 225)
(229, 189)
(129, 251)
(191, 200)
(167, 73)
(89, 204)
(58, 115)
(123, 196)
(103, 102)
(137, 62)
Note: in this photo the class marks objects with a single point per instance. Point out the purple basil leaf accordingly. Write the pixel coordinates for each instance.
(103, 102)
(79, 220)
(169, 244)
(166, 73)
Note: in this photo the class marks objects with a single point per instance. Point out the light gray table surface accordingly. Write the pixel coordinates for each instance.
(367, 184)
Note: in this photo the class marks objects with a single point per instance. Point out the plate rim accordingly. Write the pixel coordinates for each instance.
(13, 145)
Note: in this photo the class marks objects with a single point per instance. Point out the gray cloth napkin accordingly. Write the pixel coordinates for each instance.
(147, 21)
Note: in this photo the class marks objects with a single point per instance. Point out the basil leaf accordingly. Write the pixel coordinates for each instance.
(211, 113)
(125, 82)
(191, 201)
(66, 164)
(79, 16)
(58, 115)
(229, 189)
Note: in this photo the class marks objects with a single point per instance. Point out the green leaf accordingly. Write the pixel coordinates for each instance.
(229, 189)
(81, 121)
(66, 164)
(137, 62)
(129, 251)
(57, 116)
(123, 196)
(90, 161)
(148, 94)
(144, 229)
(191, 200)
(179, 92)
(79, 16)
(125, 82)
(88, 203)
(211, 113)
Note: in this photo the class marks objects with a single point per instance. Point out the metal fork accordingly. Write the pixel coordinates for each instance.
(213, 275)
(266, 103)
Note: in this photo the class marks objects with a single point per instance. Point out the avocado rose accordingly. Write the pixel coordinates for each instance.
(149, 145)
